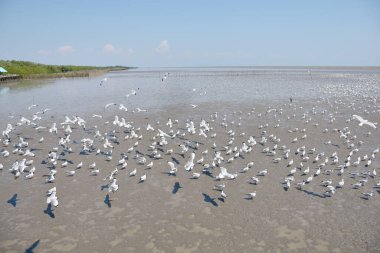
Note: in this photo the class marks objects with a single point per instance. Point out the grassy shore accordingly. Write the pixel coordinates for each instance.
(36, 70)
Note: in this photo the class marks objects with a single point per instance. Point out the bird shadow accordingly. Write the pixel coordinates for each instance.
(175, 160)
(169, 174)
(208, 173)
(107, 201)
(49, 211)
(285, 188)
(13, 200)
(208, 199)
(182, 155)
(105, 186)
(313, 193)
(32, 247)
(176, 187)
(221, 199)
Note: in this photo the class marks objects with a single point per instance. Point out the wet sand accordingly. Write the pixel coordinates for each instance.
(159, 216)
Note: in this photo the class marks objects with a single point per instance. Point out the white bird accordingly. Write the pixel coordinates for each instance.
(150, 165)
(51, 190)
(223, 194)
(173, 168)
(30, 175)
(79, 165)
(143, 178)
(196, 175)
(262, 172)
(52, 199)
(31, 106)
(190, 163)
(108, 105)
(133, 92)
(133, 173)
(103, 81)
(363, 121)
(95, 172)
(219, 187)
(293, 171)
(306, 171)
(367, 195)
(70, 172)
(251, 195)
(255, 180)
(113, 187)
(341, 183)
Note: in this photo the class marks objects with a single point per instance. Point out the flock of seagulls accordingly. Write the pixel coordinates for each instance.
(213, 147)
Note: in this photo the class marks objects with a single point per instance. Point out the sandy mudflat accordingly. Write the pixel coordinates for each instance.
(159, 216)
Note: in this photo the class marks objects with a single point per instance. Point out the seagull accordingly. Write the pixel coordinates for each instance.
(133, 92)
(251, 195)
(70, 173)
(262, 173)
(30, 175)
(122, 107)
(173, 168)
(103, 81)
(190, 163)
(341, 183)
(108, 105)
(79, 165)
(140, 110)
(143, 178)
(50, 191)
(363, 121)
(94, 172)
(367, 195)
(31, 106)
(150, 165)
(133, 173)
(113, 187)
(193, 106)
(196, 175)
(52, 199)
(219, 187)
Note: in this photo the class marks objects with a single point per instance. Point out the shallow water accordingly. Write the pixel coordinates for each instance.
(81, 96)
(177, 213)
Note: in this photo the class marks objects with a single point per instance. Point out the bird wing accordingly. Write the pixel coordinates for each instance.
(357, 117)
(370, 124)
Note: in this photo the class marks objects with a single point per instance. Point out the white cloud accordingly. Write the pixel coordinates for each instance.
(44, 52)
(66, 50)
(163, 47)
(109, 48)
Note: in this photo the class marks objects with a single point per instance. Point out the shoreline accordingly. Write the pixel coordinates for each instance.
(70, 74)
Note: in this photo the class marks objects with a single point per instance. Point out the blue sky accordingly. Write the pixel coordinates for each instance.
(192, 33)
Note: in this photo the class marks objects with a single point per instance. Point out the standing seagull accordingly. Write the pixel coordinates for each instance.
(143, 178)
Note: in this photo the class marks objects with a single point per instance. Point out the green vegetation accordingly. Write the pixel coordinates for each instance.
(35, 70)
